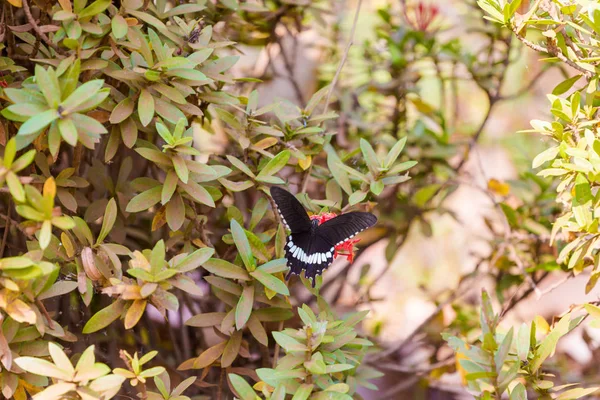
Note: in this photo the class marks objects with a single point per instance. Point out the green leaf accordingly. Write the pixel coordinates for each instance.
(23, 161)
(198, 193)
(15, 187)
(241, 242)
(338, 368)
(187, 73)
(244, 307)
(169, 186)
(243, 390)
(95, 8)
(225, 269)
(576, 393)
(369, 156)
(394, 153)
(144, 200)
(288, 343)
(42, 367)
(104, 317)
(145, 107)
(275, 164)
(157, 257)
(110, 216)
(180, 168)
(82, 94)
(68, 131)
(196, 259)
(10, 151)
(274, 266)
(340, 176)
(37, 123)
(357, 197)
(377, 187)
(523, 343)
(518, 393)
(510, 9)
(303, 392)
(119, 26)
(273, 314)
(241, 166)
(45, 234)
(593, 310)
(48, 84)
(565, 85)
(271, 282)
(548, 345)
(231, 4)
(546, 155)
(502, 352)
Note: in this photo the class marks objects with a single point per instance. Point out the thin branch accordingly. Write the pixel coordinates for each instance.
(457, 293)
(555, 52)
(6, 228)
(37, 29)
(344, 57)
(276, 353)
(526, 88)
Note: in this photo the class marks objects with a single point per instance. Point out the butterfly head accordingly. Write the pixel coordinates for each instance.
(314, 224)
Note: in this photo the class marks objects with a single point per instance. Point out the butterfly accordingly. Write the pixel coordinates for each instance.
(310, 246)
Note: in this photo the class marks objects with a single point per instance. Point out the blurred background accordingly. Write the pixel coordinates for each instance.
(463, 92)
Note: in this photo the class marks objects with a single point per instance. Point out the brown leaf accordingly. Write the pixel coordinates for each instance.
(231, 349)
(206, 319)
(134, 313)
(244, 307)
(257, 330)
(20, 311)
(5, 353)
(160, 218)
(210, 355)
(2, 135)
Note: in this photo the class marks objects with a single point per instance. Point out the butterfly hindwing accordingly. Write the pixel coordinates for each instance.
(343, 227)
(304, 251)
(293, 214)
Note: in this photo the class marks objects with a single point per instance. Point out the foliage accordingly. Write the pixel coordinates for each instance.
(134, 185)
(322, 357)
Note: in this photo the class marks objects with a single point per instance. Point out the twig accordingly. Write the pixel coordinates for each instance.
(385, 270)
(555, 52)
(344, 57)
(526, 88)
(45, 312)
(276, 353)
(37, 29)
(289, 66)
(220, 388)
(401, 345)
(400, 387)
(6, 227)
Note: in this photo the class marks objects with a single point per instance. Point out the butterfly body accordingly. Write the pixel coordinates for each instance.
(310, 245)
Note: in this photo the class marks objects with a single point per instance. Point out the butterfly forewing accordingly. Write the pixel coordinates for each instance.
(293, 214)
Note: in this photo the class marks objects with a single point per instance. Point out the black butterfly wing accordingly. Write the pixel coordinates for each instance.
(292, 213)
(304, 251)
(343, 227)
